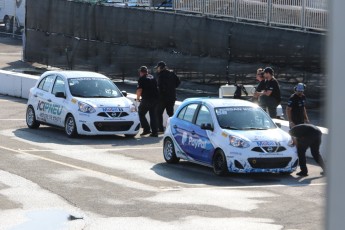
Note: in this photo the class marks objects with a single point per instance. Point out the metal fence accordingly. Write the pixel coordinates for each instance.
(304, 14)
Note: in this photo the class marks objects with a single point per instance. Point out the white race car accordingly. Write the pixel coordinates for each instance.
(228, 135)
(84, 103)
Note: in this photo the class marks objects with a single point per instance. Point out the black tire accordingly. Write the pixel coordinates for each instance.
(31, 121)
(219, 164)
(169, 152)
(130, 135)
(70, 126)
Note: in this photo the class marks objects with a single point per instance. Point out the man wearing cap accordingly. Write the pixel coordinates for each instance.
(147, 93)
(295, 110)
(167, 84)
(270, 97)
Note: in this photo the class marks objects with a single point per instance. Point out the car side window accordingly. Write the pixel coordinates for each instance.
(190, 111)
(182, 112)
(59, 86)
(46, 83)
(204, 116)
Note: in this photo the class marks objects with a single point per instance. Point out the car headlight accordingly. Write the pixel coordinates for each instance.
(291, 142)
(238, 142)
(133, 108)
(85, 108)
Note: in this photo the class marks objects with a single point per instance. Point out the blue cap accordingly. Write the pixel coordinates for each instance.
(300, 87)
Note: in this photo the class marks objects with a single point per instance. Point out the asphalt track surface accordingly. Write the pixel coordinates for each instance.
(49, 181)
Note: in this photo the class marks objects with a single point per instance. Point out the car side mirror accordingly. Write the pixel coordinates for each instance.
(60, 94)
(279, 125)
(124, 93)
(207, 126)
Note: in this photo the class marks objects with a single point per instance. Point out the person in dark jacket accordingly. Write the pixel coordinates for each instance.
(270, 97)
(147, 94)
(295, 110)
(305, 136)
(167, 84)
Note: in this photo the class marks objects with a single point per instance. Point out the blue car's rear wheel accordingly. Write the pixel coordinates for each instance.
(219, 164)
(169, 152)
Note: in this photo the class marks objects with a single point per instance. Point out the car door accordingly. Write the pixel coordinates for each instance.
(44, 99)
(182, 128)
(203, 148)
(59, 103)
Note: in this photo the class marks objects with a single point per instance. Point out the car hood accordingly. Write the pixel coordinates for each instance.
(107, 102)
(276, 135)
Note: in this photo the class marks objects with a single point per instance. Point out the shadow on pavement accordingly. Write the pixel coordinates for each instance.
(189, 173)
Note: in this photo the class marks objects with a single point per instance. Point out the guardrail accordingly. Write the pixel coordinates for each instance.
(304, 14)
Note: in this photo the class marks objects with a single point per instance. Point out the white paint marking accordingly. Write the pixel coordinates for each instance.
(78, 150)
(100, 175)
(12, 119)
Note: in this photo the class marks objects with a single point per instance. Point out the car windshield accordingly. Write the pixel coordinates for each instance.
(243, 118)
(93, 87)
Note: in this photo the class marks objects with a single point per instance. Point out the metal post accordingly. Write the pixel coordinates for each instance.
(303, 14)
(236, 10)
(14, 17)
(335, 114)
(269, 12)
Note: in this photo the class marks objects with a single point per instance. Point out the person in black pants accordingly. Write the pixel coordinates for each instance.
(167, 84)
(270, 97)
(147, 94)
(295, 110)
(305, 136)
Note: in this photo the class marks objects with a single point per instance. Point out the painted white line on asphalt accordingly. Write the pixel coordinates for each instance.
(12, 119)
(78, 150)
(248, 186)
(118, 180)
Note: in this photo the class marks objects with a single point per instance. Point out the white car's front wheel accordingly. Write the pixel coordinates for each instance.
(169, 152)
(70, 126)
(31, 121)
(220, 167)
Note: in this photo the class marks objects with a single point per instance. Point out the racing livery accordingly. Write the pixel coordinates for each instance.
(228, 135)
(84, 103)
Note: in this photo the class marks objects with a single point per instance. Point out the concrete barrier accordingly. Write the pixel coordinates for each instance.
(18, 85)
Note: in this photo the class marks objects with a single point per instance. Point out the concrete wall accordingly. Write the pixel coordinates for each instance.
(18, 85)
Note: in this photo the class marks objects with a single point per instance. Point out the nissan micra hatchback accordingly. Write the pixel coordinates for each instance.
(81, 102)
(228, 135)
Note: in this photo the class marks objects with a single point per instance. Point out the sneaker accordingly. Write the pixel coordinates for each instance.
(301, 173)
(154, 135)
(145, 133)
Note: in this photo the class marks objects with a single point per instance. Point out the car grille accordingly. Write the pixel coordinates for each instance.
(113, 114)
(272, 149)
(269, 163)
(113, 126)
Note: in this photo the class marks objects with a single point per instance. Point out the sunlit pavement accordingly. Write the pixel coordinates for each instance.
(113, 182)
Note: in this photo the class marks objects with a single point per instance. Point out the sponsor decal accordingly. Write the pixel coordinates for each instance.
(224, 111)
(112, 109)
(235, 153)
(49, 117)
(196, 143)
(267, 143)
(49, 108)
(224, 134)
(74, 100)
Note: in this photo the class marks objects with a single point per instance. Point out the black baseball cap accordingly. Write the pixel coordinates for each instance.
(269, 70)
(160, 64)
